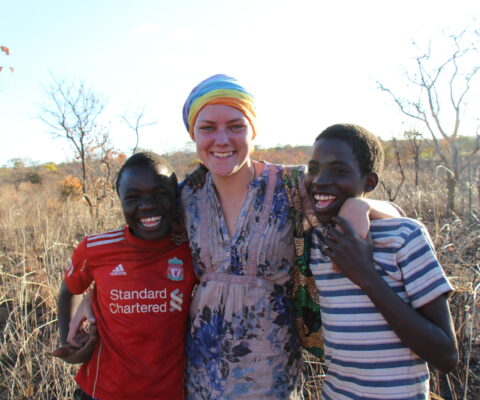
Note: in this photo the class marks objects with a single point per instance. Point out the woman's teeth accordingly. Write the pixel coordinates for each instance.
(223, 155)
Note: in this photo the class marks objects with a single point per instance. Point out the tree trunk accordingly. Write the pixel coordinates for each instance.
(417, 167)
(451, 187)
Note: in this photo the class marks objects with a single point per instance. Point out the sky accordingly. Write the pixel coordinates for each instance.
(308, 63)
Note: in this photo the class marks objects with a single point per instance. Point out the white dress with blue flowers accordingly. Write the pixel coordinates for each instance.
(241, 343)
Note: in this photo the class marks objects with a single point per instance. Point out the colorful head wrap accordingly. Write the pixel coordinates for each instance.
(218, 89)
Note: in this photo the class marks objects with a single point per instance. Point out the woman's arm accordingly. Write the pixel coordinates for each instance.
(84, 312)
(380, 209)
(358, 211)
(83, 342)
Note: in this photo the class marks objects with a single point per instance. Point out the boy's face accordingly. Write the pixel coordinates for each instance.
(333, 176)
(148, 202)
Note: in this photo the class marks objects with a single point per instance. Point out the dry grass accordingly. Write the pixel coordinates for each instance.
(38, 232)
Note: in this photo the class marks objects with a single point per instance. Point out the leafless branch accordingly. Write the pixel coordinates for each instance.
(136, 125)
(456, 75)
(72, 113)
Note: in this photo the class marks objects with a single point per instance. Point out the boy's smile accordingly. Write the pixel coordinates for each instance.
(151, 222)
(333, 176)
(148, 202)
(323, 200)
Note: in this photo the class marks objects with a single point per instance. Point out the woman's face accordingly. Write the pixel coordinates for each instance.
(223, 136)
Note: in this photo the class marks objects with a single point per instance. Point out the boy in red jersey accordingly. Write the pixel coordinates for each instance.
(143, 282)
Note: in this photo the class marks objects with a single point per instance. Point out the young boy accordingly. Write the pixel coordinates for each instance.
(143, 282)
(384, 318)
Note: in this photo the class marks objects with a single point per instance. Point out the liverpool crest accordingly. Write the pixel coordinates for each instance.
(175, 269)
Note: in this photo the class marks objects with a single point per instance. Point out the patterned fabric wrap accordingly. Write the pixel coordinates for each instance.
(304, 292)
(218, 89)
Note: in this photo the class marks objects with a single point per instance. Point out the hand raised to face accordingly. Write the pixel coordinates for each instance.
(350, 253)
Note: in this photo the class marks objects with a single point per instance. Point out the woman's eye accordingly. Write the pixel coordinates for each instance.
(237, 128)
(312, 170)
(206, 128)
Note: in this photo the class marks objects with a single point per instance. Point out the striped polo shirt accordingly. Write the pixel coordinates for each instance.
(365, 358)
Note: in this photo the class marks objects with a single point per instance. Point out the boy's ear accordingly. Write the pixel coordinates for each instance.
(370, 182)
(173, 179)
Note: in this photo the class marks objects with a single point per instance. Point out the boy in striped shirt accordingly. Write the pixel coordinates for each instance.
(383, 300)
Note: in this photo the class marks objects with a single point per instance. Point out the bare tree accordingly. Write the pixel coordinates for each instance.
(441, 99)
(414, 139)
(72, 114)
(134, 122)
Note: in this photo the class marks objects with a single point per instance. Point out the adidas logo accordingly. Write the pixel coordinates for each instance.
(118, 270)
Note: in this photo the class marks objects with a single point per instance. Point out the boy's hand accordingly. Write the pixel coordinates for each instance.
(196, 179)
(349, 252)
(74, 355)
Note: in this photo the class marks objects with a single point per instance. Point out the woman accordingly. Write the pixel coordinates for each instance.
(241, 343)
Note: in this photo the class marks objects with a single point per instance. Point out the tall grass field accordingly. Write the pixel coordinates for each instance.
(41, 223)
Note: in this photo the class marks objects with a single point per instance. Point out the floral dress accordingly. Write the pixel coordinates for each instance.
(241, 343)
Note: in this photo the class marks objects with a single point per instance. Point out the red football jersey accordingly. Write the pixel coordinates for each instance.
(141, 303)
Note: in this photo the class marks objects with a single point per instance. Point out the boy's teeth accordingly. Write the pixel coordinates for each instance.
(323, 200)
(150, 221)
(223, 155)
(324, 197)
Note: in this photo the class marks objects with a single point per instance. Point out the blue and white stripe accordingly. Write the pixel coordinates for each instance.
(365, 358)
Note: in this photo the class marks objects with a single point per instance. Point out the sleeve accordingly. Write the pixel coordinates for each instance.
(423, 275)
(78, 276)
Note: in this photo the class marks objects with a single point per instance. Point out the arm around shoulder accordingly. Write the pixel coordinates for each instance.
(85, 340)
(380, 209)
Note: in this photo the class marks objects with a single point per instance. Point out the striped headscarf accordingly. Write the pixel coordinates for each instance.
(218, 89)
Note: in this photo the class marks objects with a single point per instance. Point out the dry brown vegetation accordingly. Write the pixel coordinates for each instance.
(39, 228)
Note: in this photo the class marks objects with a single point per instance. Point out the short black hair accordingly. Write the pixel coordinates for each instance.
(145, 159)
(366, 147)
